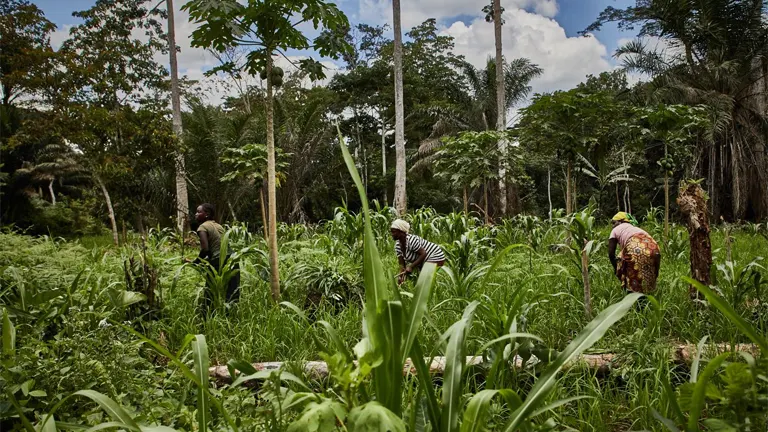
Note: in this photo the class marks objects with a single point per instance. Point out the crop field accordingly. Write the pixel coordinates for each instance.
(79, 310)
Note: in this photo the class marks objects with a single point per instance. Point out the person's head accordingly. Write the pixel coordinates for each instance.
(204, 212)
(399, 229)
(622, 217)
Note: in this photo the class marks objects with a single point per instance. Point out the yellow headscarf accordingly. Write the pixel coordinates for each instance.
(624, 217)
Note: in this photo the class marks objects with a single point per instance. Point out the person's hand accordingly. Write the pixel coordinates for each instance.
(186, 260)
(408, 270)
(401, 278)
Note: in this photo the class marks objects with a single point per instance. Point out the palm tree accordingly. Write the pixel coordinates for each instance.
(715, 53)
(482, 108)
(182, 200)
(401, 201)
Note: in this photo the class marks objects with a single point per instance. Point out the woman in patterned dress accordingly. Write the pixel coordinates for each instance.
(637, 267)
(413, 251)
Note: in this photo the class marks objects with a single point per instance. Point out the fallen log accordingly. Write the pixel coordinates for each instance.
(678, 354)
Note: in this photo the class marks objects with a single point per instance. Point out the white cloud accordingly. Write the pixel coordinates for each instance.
(566, 61)
(415, 12)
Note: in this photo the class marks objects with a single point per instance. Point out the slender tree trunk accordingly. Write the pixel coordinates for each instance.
(110, 209)
(501, 121)
(50, 190)
(401, 202)
(182, 197)
(568, 204)
(272, 189)
(585, 279)
(666, 205)
(549, 190)
(263, 215)
(618, 202)
(384, 157)
(466, 201)
(485, 193)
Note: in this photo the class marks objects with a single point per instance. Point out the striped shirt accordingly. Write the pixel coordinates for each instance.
(413, 244)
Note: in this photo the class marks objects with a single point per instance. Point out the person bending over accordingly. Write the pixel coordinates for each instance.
(413, 251)
(638, 264)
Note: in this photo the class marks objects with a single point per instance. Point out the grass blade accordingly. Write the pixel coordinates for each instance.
(201, 360)
(9, 334)
(426, 385)
(418, 308)
(455, 359)
(699, 392)
(674, 405)
(593, 332)
(476, 414)
(115, 411)
(669, 424)
(557, 404)
(697, 359)
(745, 327)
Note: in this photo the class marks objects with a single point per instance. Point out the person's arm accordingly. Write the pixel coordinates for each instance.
(205, 250)
(612, 243)
(422, 257)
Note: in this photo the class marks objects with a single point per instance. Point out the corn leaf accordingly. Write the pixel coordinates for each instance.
(593, 332)
(200, 355)
(700, 391)
(418, 307)
(9, 334)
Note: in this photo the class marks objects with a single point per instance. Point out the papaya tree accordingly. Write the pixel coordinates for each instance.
(676, 127)
(269, 28)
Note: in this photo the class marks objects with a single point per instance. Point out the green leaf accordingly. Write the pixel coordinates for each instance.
(38, 393)
(697, 359)
(669, 424)
(745, 327)
(558, 404)
(374, 417)
(476, 414)
(717, 425)
(418, 307)
(699, 392)
(593, 332)
(9, 335)
(115, 411)
(455, 360)
(319, 417)
(200, 356)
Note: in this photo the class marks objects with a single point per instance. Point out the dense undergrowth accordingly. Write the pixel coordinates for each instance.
(75, 306)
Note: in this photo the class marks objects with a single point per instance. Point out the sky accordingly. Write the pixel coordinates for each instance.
(544, 31)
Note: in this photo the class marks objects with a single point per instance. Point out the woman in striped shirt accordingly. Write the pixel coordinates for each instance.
(413, 249)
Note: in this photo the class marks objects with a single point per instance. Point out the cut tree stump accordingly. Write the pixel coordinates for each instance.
(678, 354)
(692, 202)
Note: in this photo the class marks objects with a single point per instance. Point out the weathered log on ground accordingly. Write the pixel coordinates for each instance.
(678, 354)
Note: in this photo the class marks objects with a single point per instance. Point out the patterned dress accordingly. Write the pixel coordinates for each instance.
(639, 263)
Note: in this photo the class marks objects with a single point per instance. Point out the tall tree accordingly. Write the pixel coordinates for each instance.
(401, 200)
(106, 71)
(716, 56)
(270, 27)
(501, 107)
(182, 199)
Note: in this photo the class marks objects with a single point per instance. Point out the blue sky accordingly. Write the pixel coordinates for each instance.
(546, 31)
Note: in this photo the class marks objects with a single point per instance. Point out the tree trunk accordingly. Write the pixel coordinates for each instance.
(693, 206)
(485, 193)
(182, 197)
(272, 189)
(568, 207)
(666, 205)
(110, 210)
(618, 201)
(587, 286)
(401, 201)
(466, 201)
(384, 157)
(549, 190)
(501, 122)
(50, 190)
(263, 215)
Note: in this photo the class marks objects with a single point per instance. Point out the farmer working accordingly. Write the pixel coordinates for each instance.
(210, 233)
(638, 265)
(413, 249)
